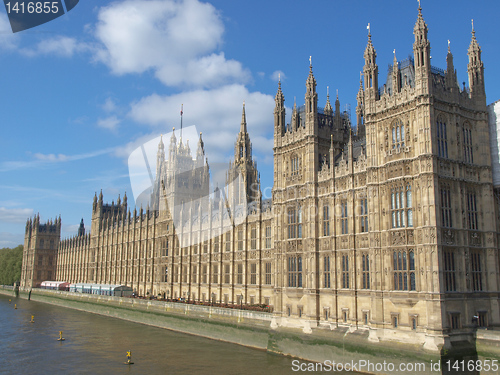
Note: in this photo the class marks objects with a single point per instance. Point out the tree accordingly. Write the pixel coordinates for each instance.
(10, 265)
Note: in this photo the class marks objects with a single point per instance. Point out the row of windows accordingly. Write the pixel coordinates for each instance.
(214, 277)
(398, 139)
(228, 236)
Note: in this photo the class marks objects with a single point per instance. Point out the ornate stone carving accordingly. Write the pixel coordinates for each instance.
(448, 236)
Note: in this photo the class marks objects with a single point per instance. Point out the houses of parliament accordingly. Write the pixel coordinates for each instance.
(393, 229)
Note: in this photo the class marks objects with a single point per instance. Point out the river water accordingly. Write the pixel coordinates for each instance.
(98, 345)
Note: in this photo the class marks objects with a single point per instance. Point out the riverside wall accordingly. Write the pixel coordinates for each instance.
(254, 329)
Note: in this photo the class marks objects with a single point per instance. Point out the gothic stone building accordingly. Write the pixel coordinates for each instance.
(393, 230)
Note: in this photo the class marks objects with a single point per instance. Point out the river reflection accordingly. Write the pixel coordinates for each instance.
(98, 345)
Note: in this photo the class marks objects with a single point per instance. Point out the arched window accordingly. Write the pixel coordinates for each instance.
(398, 134)
(401, 207)
(295, 164)
(404, 270)
(442, 138)
(467, 141)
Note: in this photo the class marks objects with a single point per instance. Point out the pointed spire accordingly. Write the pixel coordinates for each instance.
(450, 74)
(475, 67)
(243, 127)
(328, 107)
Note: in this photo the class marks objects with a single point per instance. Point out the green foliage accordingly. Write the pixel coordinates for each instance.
(10, 265)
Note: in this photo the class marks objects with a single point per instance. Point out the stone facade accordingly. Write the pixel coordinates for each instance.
(393, 229)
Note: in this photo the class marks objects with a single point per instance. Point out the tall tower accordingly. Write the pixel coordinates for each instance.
(421, 53)
(40, 251)
(243, 175)
(475, 70)
(370, 71)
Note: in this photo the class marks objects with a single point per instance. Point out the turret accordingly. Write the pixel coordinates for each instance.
(370, 70)
(311, 98)
(328, 107)
(360, 126)
(243, 147)
(451, 73)
(422, 58)
(396, 79)
(475, 69)
(279, 113)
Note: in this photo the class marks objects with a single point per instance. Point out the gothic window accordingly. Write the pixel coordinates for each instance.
(442, 138)
(404, 270)
(365, 268)
(268, 273)
(295, 271)
(455, 321)
(253, 273)
(205, 273)
(326, 272)
(345, 271)
(165, 274)
(295, 164)
(449, 271)
(401, 207)
(165, 247)
(194, 274)
(446, 208)
(240, 239)
(216, 244)
(398, 134)
(471, 211)
(326, 220)
(184, 274)
(253, 238)
(363, 217)
(467, 144)
(268, 237)
(41, 244)
(228, 241)
(240, 274)
(205, 243)
(215, 269)
(344, 218)
(477, 279)
(294, 222)
(227, 273)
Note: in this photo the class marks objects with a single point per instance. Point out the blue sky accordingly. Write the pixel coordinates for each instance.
(80, 93)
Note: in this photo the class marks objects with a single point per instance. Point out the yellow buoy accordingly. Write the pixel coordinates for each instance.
(32, 319)
(10, 301)
(15, 306)
(129, 358)
(60, 336)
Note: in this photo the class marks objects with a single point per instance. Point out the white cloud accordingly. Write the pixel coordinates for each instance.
(109, 123)
(62, 46)
(15, 215)
(50, 157)
(109, 105)
(11, 239)
(8, 40)
(278, 75)
(42, 159)
(176, 39)
(216, 113)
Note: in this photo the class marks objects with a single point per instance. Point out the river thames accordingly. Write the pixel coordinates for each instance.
(98, 345)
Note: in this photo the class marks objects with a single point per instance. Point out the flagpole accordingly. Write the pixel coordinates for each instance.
(182, 105)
